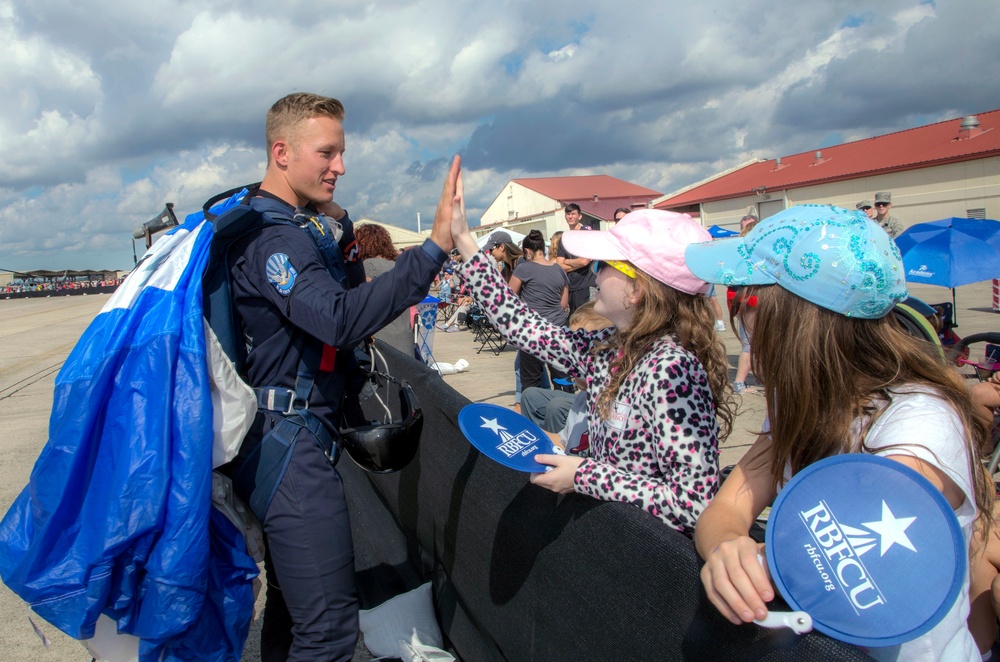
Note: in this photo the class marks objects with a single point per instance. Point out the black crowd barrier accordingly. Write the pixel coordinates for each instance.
(108, 289)
(520, 573)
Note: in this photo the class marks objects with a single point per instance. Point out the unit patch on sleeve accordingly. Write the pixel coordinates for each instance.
(281, 273)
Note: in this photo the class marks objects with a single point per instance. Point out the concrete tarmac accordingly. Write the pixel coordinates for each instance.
(36, 336)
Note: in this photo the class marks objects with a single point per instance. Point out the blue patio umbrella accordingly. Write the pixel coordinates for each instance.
(718, 232)
(951, 252)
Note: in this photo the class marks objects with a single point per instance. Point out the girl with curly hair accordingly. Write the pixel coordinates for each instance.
(658, 398)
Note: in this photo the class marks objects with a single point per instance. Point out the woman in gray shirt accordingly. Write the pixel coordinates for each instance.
(544, 288)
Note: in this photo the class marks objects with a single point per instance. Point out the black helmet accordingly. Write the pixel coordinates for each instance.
(383, 447)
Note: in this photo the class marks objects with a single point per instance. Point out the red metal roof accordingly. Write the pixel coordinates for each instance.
(924, 146)
(598, 195)
(604, 208)
(585, 187)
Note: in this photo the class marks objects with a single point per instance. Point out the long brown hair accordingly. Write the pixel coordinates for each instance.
(511, 254)
(661, 311)
(826, 369)
(554, 243)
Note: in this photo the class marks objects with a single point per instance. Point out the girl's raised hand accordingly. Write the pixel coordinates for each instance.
(460, 234)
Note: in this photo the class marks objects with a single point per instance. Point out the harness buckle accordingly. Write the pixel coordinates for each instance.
(273, 397)
(291, 404)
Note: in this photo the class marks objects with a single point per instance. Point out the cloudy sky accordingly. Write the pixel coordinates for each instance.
(112, 108)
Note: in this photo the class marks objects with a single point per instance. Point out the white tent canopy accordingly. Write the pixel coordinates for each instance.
(515, 236)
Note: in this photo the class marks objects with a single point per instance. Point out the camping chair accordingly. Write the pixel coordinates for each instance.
(485, 333)
(946, 328)
(446, 308)
(984, 367)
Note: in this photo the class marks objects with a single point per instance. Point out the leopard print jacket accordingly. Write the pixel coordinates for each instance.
(659, 448)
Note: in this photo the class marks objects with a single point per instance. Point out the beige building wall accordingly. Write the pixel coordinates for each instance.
(918, 196)
(516, 201)
(401, 237)
(6, 278)
(727, 213)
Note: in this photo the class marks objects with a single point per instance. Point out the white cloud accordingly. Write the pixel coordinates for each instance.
(112, 109)
(565, 53)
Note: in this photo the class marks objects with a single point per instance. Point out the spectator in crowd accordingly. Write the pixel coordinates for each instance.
(743, 363)
(504, 251)
(581, 278)
(554, 243)
(544, 288)
(984, 579)
(839, 376)
(563, 415)
(445, 284)
(376, 247)
(619, 214)
(720, 325)
(662, 348)
(866, 207)
(379, 255)
(889, 223)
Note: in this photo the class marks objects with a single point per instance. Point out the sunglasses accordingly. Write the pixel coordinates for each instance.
(881, 204)
(737, 298)
(623, 267)
(865, 208)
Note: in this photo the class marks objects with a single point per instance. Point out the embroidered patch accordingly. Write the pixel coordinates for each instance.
(352, 252)
(618, 420)
(281, 273)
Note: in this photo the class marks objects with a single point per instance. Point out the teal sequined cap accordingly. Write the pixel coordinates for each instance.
(835, 258)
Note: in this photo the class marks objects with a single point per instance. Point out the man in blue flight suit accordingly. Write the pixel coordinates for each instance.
(301, 323)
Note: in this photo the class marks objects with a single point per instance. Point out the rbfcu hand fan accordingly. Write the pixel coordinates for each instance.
(505, 436)
(867, 548)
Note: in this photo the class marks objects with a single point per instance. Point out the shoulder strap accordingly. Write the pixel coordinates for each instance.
(329, 249)
(229, 225)
(227, 195)
(217, 292)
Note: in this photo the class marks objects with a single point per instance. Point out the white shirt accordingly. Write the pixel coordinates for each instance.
(920, 424)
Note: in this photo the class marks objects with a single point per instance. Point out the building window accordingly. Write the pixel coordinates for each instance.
(979, 214)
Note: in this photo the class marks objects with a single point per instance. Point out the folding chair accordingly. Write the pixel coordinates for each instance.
(485, 333)
(446, 308)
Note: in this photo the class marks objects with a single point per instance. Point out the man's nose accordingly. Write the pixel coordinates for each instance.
(337, 165)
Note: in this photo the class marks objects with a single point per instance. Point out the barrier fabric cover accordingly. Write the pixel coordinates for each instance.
(116, 518)
(521, 573)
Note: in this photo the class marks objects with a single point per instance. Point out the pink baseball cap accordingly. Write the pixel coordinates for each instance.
(651, 239)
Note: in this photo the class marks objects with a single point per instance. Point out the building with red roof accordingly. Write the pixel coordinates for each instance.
(949, 168)
(527, 204)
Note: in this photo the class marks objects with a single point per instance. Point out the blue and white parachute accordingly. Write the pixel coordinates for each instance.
(117, 517)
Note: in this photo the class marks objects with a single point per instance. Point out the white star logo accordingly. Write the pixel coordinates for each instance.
(892, 530)
(491, 424)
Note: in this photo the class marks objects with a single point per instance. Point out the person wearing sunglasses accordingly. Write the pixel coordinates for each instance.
(889, 223)
(658, 400)
(866, 207)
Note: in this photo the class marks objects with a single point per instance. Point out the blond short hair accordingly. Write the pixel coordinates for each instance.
(288, 112)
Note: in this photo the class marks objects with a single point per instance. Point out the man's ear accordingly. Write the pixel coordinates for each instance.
(279, 153)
